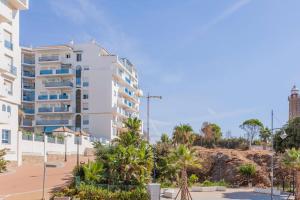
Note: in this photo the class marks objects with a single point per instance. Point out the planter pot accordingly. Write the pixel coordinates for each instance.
(267, 191)
(154, 191)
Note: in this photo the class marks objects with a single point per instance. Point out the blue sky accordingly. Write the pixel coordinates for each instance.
(220, 61)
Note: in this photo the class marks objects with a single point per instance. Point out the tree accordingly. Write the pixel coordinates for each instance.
(265, 135)
(248, 170)
(211, 133)
(291, 159)
(133, 125)
(165, 171)
(183, 158)
(252, 128)
(183, 134)
(292, 129)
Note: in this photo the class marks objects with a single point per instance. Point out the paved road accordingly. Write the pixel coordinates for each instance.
(231, 194)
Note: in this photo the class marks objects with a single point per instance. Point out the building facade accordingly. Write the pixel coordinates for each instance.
(10, 74)
(80, 86)
(294, 103)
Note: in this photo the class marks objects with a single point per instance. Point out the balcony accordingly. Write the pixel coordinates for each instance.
(27, 123)
(64, 84)
(49, 59)
(8, 44)
(54, 110)
(10, 71)
(28, 98)
(19, 4)
(28, 87)
(5, 14)
(63, 71)
(28, 74)
(44, 110)
(53, 97)
(46, 72)
(53, 122)
(43, 97)
(28, 61)
(29, 111)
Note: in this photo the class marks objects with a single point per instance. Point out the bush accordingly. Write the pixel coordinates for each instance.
(208, 183)
(91, 192)
(247, 170)
(193, 179)
(3, 163)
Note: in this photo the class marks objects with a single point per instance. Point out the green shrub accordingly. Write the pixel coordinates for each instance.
(3, 163)
(247, 170)
(208, 183)
(91, 192)
(193, 179)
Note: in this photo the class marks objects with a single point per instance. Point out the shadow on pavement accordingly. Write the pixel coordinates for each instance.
(249, 196)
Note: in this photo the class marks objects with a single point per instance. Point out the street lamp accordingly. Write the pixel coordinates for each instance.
(283, 135)
(148, 128)
(78, 135)
(45, 158)
(66, 131)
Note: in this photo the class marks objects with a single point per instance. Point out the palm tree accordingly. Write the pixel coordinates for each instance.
(183, 134)
(291, 159)
(183, 158)
(133, 125)
(93, 172)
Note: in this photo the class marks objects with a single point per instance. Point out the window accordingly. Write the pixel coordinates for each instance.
(8, 40)
(85, 84)
(78, 57)
(6, 136)
(3, 107)
(85, 120)
(8, 86)
(8, 109)
(85, 106)
(86, 68)
(68, 55)
(85, 96)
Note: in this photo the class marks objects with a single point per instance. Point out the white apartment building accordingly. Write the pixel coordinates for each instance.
(80, 86)
(10, 74)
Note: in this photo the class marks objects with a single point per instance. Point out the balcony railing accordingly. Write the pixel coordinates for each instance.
(29, 61)
(53, 97)
(27, 122)
(48, 58)
(62, 71)
(52, 122)
(46, 71)
(30, 87)
(8, 44)
(43, 97)
(59, 84)
(44, 109)
(61, 109)
(28, 74)
(28, 110)
(28, 98)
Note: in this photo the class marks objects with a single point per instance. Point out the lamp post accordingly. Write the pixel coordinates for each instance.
(78, 134)
(283, 136)
(148, 127)
(66, 131)
(44, 171)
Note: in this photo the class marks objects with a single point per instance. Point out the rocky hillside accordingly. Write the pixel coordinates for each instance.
(218, 164)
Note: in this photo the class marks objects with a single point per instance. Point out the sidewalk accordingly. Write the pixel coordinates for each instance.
(27, 181)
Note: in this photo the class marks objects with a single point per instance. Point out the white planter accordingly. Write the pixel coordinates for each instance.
(267, 191)
(154, 191)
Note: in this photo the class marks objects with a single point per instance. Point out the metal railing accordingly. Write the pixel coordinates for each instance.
(59, 84)
(52, 122)
(48, 58)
